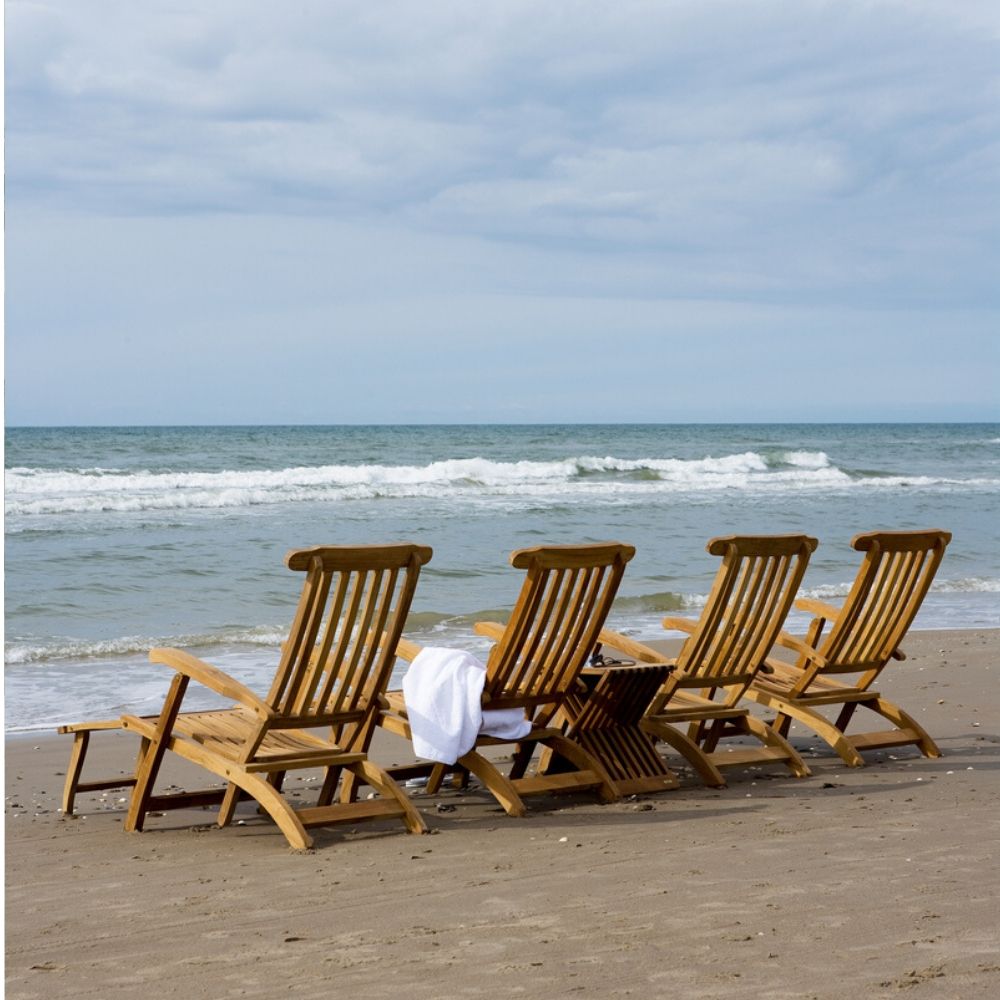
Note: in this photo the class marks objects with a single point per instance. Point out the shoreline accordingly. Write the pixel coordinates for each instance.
(254, 666)
(863, 881)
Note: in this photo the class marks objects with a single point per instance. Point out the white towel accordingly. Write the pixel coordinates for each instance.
(443, 690)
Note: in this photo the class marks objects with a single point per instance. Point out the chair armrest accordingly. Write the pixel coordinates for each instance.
(800, 646)
(407, 650)
(818, 608)
(638, 650)
(688, 625)
(492, 630)
(211, 677)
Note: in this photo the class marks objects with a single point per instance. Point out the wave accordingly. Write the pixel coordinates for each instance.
(424, 626)
(87, 491)
(965, 585)
(657, 603)
(83, 649)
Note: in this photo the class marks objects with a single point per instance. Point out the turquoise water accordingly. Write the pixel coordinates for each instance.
(118, 539)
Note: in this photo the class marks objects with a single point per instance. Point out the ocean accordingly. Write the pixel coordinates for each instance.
(119, 539)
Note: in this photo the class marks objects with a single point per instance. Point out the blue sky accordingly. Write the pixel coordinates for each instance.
(358, 212)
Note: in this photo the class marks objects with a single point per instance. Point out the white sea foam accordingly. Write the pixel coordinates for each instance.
(967, 585)
(83, 491)
(130, 645)
(964, 585)
(807, 459)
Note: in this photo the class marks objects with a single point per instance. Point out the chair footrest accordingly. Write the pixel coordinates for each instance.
(689, 714)
(311, 758)
(349, 812)
(541, 784)
(740, 758)
(888, 738)
(646, 786)
(96, 786)
(186, 800)
(419, 769)
(87, 727)
(813, 698)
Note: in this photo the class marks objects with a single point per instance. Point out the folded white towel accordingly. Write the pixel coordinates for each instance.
(443, 690)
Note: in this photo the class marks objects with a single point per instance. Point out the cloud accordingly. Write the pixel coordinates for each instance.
(257, 107)
(182, 167)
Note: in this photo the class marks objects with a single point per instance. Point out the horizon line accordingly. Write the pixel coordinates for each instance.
(507, 423)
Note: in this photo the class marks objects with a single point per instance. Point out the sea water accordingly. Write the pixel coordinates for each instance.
(119, 539)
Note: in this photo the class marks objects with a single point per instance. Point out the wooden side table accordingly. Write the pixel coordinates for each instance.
(606, 723)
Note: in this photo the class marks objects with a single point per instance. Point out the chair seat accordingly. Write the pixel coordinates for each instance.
(820, 691)
(225, 732)
(689, 707)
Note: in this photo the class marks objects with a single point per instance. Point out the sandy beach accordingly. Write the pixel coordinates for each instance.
(862, 882)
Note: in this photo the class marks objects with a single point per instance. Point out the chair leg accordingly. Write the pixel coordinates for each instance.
(435, 778)
(387, 787)
(74, 770)
(687, 748)
(522, 757)
(584, 761)
(81, 741)
(145, 778)
(151, 755)
(709, 741)
(331, 778)
(228, 807)
(495, 783)
(771, 738)
(349, 785)
(277, 807)
(903, 720)
(782, 724)
(821, 726)
(846, 714)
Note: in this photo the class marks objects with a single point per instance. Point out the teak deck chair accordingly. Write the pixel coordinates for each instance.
(892, 581)
(745, 611)
(534, 665)
(333, 671)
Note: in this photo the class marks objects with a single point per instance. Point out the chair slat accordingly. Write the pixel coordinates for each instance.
(311, 664)
(355, 633)
(302, 636)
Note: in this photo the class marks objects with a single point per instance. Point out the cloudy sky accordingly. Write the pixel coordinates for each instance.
(376, 212)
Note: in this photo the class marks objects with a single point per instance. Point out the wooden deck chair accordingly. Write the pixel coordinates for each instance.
(745, 611)
(332, 673)
(534, 665)
(865, 634)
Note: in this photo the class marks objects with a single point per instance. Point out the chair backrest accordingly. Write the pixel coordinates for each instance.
(892, 581)
(745, 611)
(565, 598)
(340, 653)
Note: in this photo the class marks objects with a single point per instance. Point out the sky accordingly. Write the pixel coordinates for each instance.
(243, 212)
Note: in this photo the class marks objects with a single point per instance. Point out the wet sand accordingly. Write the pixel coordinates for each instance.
(855, 882)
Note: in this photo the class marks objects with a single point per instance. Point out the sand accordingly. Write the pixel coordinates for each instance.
(872, 882)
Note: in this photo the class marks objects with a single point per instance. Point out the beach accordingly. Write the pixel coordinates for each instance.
(707, 290)
(869, 882)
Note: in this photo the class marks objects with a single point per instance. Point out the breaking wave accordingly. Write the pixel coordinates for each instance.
(69, 649)
(81, 491)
